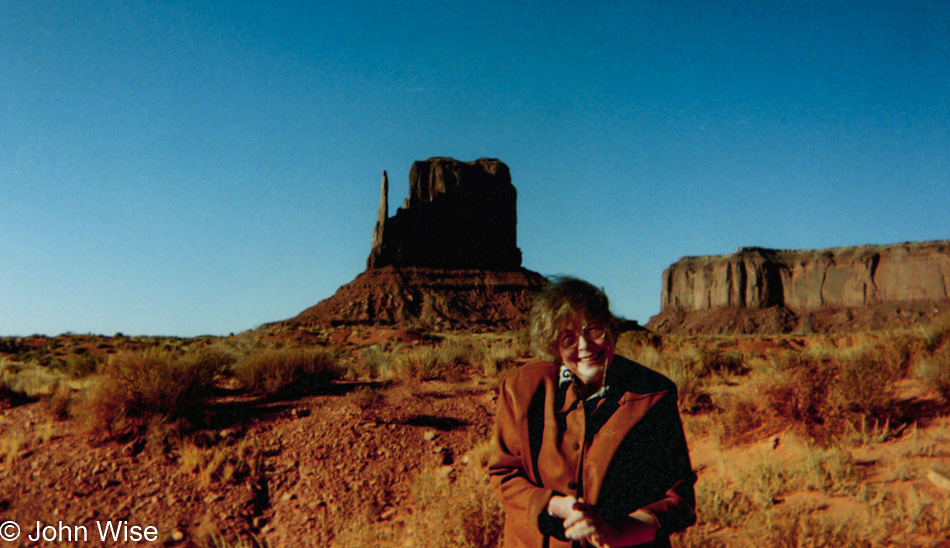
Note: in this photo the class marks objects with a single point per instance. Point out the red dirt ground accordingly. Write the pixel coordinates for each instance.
(325, 459)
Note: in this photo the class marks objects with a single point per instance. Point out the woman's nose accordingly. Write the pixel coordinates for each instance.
(582, 341)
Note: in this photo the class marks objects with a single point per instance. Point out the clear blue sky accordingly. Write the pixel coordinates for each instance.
(184, 168)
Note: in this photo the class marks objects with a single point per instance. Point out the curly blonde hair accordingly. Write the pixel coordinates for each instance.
(561, 300)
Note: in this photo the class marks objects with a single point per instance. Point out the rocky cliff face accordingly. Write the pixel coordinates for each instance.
(458, 215)
(440, 298)
(723, 293)
(447, 259)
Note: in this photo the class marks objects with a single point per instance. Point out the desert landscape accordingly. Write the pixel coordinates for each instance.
(361, 436)
(814, 389)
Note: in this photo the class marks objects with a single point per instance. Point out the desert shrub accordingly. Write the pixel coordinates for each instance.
(10, 345)
(936, 332)
(460, 511)
(738, 418)
(452, 507)
(829, 391)
(800, 394)
(737, 496)
(426, 363)
(698, 536)
(80, 365)
(11, 444)
(935, 370)
(27, 381)
(724, 363)
(366, 398)
(495, 356)
(684, 368)
(865, 383)
(270, 371)
(222, 463)
(136, 387)
(646, 355)
(58, 403)
(372, 362)
(719, 502)
(796, 527)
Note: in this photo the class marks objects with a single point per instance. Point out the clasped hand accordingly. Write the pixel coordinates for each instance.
(582, 522)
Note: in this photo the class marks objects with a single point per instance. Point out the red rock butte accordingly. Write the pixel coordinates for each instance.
(448, 258)
(758, 290)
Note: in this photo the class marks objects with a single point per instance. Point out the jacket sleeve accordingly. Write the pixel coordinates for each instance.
(522, 499)
(675, 511)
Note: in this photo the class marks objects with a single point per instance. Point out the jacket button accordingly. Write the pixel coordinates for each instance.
(572, 486)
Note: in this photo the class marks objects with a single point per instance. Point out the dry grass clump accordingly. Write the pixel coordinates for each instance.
(458, 508)
(366, 398)
(750, 496)
(374, 360)
(445, 361)
(935, 370)
(270, 371)
(222, 463)
(27, 381)
(936, 333)
(77, 365)
(495, 356)
(453, 359)
(135, 387)
(10, 446)
(829, 392)
(689, 368)
(422, 362)
(454, 506)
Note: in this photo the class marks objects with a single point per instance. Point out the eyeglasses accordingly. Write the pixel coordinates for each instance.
(595, 333)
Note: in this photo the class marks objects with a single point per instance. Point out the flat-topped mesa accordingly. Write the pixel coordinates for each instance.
(833, 289)
(458, 215)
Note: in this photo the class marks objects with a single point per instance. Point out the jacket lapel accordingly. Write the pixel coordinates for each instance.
(632, 408)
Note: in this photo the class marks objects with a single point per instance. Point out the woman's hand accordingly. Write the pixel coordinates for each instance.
(581, 521)
(561, 506)
(585, 523)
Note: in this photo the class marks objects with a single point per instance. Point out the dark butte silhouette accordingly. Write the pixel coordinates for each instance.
(448, 258)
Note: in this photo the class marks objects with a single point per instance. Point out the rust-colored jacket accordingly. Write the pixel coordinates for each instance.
(631, 452)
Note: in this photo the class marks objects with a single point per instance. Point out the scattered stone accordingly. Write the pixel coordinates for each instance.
(178, 536)
(387, 513)
(430, 435)
(938, 480)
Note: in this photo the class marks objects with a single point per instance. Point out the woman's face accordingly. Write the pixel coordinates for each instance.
(586, 349)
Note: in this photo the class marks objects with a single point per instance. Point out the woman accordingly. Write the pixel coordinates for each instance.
(588, 446)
